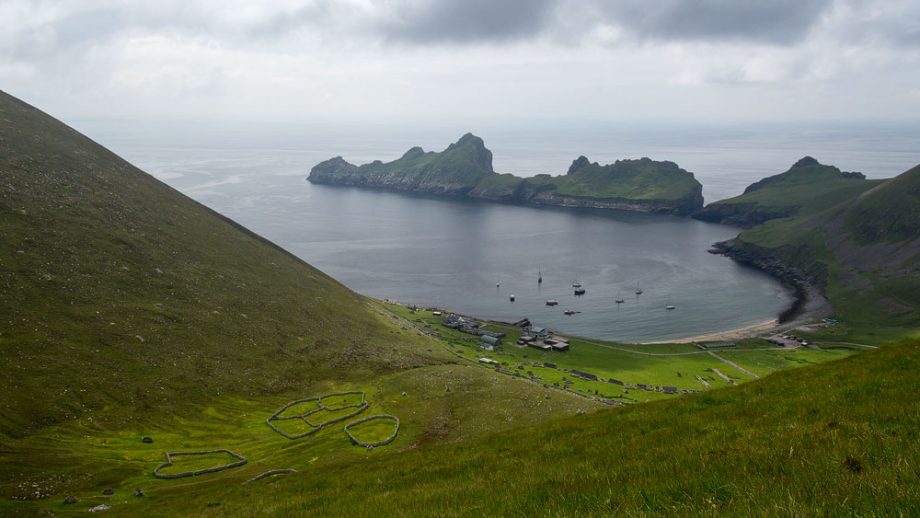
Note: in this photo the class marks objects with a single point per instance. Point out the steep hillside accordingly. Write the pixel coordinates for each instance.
(840, 439)
(116, 287)
(806, 188)
(130, 310)
(864, 253)
(889, 213)
(465, 169)
(116, 291)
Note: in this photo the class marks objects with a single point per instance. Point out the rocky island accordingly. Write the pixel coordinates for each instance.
(464, 169)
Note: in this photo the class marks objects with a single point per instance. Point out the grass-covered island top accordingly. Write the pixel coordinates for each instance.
(465, 169)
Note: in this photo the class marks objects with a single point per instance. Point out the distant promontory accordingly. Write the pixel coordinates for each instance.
(464, 169)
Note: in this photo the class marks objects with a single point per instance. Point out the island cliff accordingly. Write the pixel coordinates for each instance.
(465, 169)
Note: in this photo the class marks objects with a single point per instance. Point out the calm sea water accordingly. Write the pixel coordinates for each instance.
(453, 253)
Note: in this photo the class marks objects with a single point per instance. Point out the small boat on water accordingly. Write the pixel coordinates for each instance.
(511, 297)
(669, 307)
(579, 290)
(619, 301)
(571, 312)
(540, 277)
(552, 302)
(576, 284)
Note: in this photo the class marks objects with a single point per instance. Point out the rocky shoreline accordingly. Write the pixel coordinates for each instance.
(809, 305)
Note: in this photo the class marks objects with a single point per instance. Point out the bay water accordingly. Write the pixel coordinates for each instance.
(471, 256)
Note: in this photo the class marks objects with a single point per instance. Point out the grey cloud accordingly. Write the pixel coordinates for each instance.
(443, 21)
(780, 22)
(78, 26)
(457, 22)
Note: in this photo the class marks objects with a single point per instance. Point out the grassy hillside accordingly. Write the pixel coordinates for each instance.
(465, 169)
(128, 309)
(864, 252)
(807, 187)
(835, 440)
(890, 213)
(118, 288)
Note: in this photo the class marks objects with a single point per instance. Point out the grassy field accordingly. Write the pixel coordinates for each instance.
(844, 441)
(676, 365)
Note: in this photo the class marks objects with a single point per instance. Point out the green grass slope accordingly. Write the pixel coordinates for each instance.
(129, 310)
(115, 287)
(841, 439)
(127, 307)
(807, 187)
(864, 253)
(890, 213)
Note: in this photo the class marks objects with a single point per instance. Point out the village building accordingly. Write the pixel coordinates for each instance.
(539, 332)
(557, 343)
(489, 342)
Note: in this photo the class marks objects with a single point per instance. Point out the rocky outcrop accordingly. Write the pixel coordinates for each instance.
(465, 169)
(794, 267)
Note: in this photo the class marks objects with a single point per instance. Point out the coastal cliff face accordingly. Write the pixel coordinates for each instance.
(465, 169)
(863, 254)
(455, 171)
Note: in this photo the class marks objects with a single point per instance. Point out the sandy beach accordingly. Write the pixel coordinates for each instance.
(733, 334)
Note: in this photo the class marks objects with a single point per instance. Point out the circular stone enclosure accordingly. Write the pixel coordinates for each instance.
(372, 444)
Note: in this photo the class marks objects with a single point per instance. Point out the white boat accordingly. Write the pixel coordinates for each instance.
(576, 284)
(669, 307)
(552, 302)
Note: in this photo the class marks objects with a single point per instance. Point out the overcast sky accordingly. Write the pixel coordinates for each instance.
(465, 60)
